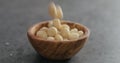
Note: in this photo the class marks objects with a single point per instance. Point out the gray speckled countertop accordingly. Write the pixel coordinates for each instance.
(102, 17)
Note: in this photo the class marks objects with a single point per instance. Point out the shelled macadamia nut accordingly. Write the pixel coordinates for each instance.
(50, 38)
(57, 23)
(58, 37)
(50, 23)
(74, 30)
(52, 31)
(52, 10)
(80, 33)
(59, 12)
(65, 32)
(65, 26)
(41, 34)
(73, 36)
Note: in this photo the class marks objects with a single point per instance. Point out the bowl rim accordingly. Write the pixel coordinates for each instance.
(30, 34)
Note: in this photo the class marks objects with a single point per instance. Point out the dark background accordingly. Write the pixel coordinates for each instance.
(102, 17)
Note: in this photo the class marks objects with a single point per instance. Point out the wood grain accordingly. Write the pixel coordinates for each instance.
(57, 50)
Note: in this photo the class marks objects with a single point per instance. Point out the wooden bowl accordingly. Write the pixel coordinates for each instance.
(57, 50)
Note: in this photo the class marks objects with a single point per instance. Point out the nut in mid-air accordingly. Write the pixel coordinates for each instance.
(59, 12)
(52, 9)
(55, 11)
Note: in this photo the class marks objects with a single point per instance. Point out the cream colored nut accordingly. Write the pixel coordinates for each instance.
(52, 31)
(80, 33)
(73, 36)
(74, 30)
(65, 26)
(52, 10)
(65, 32)
(58, 37)
(50, 38)
(59, 12)
(57, 23)
(42, 34)
(44, 29)
(50, 23)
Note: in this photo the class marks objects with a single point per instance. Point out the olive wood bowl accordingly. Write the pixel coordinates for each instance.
(57, 50)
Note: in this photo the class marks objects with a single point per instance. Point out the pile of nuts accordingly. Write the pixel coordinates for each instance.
(57, 31)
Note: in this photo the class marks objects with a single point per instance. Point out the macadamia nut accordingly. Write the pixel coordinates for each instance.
(52, 10)
(59, 12)
(50, 23)
(50, 38)
(58, 37)
(80, 33)
(65, 32)
(65, 26)
(73, 36)
(57, 23)
(74, 30)
(42, 34)
(52, 31)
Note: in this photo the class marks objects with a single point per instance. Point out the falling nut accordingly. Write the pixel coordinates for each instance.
(52, 10)
(59, 12)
